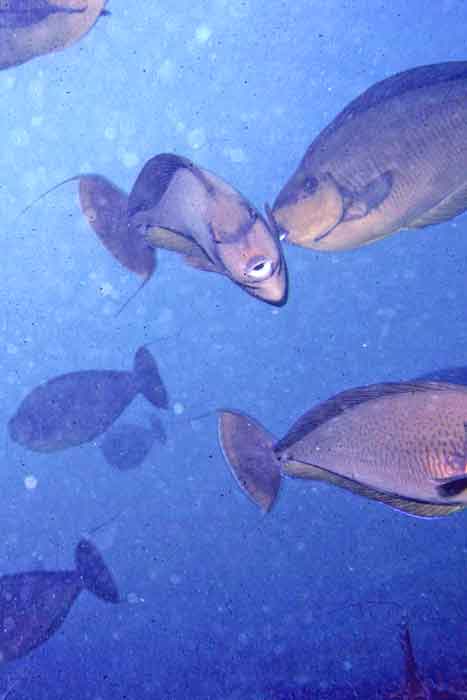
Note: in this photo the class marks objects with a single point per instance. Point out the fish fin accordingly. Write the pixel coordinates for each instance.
(447, 209)
(362, 203)
(24, 15)
(94, 573)
(451, 486)
(346, 400)
(450, 375)
(249, 451)
(422, 509)
(176, 242)
(395, 86)
(105, 207)
(153, 181)
(148, 379)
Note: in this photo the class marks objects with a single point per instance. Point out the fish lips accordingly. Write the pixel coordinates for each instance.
(275, 290)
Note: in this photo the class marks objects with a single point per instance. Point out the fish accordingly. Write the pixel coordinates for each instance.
(402, 444)
(34, 604)
(31, 28)
(395, 158)
(127, 445)
(75, 408)
(178, 206)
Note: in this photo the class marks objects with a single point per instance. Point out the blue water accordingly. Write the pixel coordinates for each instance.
(222, 601)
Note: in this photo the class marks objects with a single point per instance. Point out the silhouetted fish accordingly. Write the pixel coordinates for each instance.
(394, 158)
(127, 445)
(30, 28)
(402, 444)
(75, 408)
(34, 604)
(178, 206)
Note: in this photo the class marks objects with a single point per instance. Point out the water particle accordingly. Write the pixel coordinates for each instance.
(175, 579)
(110, 133)
(30, 481)
(196, 138)
(129, 159)
(203, 33)
(178, 408)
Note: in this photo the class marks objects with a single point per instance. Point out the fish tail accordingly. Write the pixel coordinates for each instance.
(94, 573)
(149, 381)
(249, 451)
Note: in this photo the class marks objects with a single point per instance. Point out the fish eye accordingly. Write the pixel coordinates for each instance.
(310, 185)
(260, 269)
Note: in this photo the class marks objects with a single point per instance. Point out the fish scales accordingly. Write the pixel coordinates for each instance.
(393, 443)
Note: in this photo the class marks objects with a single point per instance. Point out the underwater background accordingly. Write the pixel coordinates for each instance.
(222, 602)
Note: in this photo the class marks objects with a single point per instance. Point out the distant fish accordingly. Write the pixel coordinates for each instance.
(127, 445)
(402, 444)
(178, 206)
(395, 158)
(30, 28)
(75, 408)
(34, 604)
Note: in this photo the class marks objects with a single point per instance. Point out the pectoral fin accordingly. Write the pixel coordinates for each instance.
(360, 204)
(192, 253)
(445, 210)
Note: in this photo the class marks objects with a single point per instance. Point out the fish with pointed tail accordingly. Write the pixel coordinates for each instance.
(75, 408)
(395, 158)
(31, 28)
(402, 444)
(34, 604)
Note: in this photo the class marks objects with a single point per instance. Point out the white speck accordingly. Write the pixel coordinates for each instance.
(166, 70)
(30, 482)
(203, 33)
(129, 159)
(236, 155)
(133, 598)
(178, 408)
(11, 349)
(196, 138)
(107, 290)
(364, 345)
(347, 666)
(175, 579)
(110, 133)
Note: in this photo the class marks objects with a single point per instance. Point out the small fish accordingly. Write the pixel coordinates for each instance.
(34, 604)
(401, 444)
(30, 28)
(75, 408)
(178, 206)
(127, 445)
(395, 158)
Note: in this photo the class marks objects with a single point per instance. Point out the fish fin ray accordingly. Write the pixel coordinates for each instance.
(447, 209)
(422, 509)
(153, 181)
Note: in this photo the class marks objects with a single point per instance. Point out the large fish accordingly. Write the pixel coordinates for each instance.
(75, 408)
(394, 158)
(34, 604)
(30, 28)
(178, 206)
(402, 444)
(127, 445)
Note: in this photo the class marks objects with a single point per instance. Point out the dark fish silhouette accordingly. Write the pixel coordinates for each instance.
(402, 444)
(30, 28)
(34, 604)
(178, 206)
(394, 158)
(75, 408)
(127, 445)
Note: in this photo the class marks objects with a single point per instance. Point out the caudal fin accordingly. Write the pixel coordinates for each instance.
(148, 379)
(248, 450)
(95, 575)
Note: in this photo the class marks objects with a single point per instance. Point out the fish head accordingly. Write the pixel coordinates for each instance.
(253, 258)
(23, 428)
(308, 208)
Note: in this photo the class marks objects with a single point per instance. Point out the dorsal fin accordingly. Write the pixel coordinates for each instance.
(153, 181)
(350, 398)
(396, 86)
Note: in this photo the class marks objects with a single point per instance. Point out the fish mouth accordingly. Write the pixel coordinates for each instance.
(280, 232)
(276, 291)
